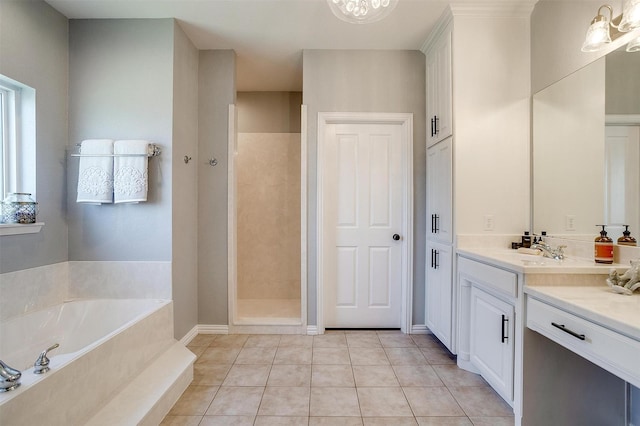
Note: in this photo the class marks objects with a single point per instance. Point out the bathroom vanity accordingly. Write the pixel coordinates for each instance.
(548, 336)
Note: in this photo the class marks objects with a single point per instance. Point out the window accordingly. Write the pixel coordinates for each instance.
(17, 137)
(7, 118)
(17, 146)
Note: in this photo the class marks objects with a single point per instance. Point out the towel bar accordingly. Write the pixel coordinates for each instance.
(154, 151)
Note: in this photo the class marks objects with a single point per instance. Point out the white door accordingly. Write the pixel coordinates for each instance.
(362, 223)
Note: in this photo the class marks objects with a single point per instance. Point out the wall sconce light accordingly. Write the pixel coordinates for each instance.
(599, 32)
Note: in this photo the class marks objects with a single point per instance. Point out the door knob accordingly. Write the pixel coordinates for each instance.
(396, 237)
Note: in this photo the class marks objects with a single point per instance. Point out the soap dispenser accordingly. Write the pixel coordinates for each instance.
(627, 239)
(603, 250)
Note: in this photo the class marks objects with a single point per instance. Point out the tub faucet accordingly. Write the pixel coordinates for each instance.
(548, 251)
(42, 363)
(9, 377)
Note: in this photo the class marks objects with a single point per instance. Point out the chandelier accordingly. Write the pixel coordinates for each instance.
(361, 11)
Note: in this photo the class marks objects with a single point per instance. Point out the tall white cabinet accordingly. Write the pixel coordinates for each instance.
(439, 292)
(470, 166)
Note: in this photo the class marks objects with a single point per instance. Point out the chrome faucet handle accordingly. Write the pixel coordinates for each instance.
(9, 377)
(42, 363)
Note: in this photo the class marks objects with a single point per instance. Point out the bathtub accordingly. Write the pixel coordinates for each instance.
(104, 345)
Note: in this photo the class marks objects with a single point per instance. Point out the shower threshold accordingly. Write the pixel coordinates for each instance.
(268, 311)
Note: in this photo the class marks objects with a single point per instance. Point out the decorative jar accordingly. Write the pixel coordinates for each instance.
(19, 207)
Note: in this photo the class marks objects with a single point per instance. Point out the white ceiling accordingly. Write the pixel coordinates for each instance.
(268, 36)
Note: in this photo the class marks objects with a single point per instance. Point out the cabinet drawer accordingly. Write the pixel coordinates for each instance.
(489, 276)
(612, 351)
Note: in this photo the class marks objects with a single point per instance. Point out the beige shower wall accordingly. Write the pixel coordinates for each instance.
(268, 167)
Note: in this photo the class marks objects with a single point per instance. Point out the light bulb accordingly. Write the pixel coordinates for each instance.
(385, 3)
(350, 6)
(375, 4)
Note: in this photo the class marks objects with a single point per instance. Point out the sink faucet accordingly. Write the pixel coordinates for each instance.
(548, 251)
(9, 378)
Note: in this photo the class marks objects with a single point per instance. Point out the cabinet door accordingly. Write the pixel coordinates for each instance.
(432, 96)
(443, 123)
(439, 293)
(439, 90)
(492, 340)
(439, 192)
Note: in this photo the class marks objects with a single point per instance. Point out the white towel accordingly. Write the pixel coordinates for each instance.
(95, 174)
(130, 176)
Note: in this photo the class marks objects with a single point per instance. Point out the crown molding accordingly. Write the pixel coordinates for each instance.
(496, 9)
(441, 25)
(493, 9)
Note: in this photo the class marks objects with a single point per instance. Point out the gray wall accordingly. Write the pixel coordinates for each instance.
(367, 81)
(184, 265)
(216, 78)
(269, 112)
(34, 51)
(121, 79)
(622, 83)
(558, 29)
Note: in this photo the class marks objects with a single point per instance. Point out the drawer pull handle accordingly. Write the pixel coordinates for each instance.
(504, 320)
(566, 330)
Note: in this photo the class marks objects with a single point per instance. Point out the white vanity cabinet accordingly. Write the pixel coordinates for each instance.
(439, 89)
(611, 346)
(491, 340)
(488, 308)
(440, 293)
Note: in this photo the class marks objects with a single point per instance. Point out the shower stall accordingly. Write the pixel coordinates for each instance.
(268, 209)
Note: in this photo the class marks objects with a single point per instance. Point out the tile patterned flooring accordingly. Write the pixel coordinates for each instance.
(339, 378)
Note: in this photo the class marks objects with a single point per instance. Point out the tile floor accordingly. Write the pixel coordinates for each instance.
(339, 378)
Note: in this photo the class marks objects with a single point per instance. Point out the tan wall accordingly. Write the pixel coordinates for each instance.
(268, 215)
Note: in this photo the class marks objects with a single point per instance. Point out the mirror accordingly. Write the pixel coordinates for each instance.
(586, 150)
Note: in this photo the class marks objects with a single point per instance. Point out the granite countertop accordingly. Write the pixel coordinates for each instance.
(599, 304)
(532, 264)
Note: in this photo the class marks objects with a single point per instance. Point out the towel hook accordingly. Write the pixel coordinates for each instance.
(213, 162)
(187, 159)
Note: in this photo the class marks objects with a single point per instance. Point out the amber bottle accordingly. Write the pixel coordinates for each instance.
(627, 239)
(603, 250)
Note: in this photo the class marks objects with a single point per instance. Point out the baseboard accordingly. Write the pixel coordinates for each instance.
(266, 329)
(420, 329)
(212, 329)
(312, 330)
(187, 338)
